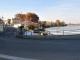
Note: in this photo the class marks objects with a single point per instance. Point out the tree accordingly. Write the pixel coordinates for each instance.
(20, 16)
(27, 17)
(62, 23)
(48, 24)
(32, 26)
(9, 21)
(39, 22)
(32, 17)
(58, 22)
(21, 28)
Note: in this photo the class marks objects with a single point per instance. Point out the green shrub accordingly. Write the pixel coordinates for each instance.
(30, 27)
(41, 29)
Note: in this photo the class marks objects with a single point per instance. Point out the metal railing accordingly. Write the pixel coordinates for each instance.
(64, 32)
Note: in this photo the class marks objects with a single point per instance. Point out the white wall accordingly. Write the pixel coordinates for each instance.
(16, 21)
(16, 25)
(1, 27)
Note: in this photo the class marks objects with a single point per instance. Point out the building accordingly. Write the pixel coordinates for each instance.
(16, 22)
(5, 21)
(2, 25)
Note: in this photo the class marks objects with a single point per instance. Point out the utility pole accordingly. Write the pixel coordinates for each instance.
(2, 17)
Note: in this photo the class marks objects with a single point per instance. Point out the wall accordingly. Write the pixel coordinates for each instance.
(1, 27)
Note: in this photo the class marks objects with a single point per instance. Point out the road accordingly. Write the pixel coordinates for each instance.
(12, 48)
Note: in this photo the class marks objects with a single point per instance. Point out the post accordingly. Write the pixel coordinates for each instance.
(63, 32)
(49, 32)
(26, 32)
(31, 33)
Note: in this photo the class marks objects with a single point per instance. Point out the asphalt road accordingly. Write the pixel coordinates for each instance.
(26, 49)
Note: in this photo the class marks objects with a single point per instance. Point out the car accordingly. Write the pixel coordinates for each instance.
(36, 31)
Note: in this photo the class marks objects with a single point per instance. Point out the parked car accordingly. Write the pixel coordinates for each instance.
(36, 31)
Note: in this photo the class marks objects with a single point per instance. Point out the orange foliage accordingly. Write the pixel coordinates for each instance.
(32, 17)
(58, 22)
(20, 16)
(28, 17)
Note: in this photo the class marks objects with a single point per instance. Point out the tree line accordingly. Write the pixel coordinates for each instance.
(52, 24)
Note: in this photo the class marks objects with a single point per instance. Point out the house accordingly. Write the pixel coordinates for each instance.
(2, 26)
(16, 22)
(5, 21)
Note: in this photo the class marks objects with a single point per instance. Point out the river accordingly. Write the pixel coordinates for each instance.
(66, 30)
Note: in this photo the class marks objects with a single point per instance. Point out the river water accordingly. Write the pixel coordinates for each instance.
(66, 30)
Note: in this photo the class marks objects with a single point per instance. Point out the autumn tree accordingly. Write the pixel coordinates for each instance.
(58, 22)
(20, 16)
(48, 23)
(32, 17)
(27, 17)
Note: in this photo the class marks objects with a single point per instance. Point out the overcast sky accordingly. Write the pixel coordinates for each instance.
(47, 10)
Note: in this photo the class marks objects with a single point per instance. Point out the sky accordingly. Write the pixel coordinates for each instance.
(47, 10)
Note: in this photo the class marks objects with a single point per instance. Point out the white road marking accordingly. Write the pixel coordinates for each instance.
(14, 58)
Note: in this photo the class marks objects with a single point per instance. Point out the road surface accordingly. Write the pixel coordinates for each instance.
(12, 48)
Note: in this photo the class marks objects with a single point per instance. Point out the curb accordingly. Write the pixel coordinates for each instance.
(53, 37)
